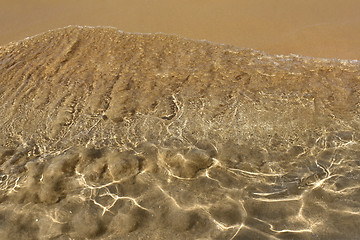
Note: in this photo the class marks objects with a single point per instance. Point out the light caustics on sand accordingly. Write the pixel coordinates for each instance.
(112, 135)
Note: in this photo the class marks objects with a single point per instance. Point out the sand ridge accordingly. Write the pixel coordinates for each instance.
(111, 135)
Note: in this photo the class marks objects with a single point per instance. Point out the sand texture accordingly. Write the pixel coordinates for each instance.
(111, 135)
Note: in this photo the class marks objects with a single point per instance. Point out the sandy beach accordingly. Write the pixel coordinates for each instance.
(110, 135)
(124, 132)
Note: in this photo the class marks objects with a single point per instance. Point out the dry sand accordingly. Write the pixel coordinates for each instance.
(317, 28)
(108, 135)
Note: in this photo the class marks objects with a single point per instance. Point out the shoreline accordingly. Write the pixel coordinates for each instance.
(230, 46)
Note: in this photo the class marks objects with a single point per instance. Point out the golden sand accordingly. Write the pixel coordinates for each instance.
(110, 135)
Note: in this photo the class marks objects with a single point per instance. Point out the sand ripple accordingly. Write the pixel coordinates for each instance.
(110, 135)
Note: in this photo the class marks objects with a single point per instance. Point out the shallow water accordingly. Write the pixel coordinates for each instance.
(316, 28)
(110, 135)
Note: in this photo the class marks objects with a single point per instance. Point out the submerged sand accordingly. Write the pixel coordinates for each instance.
(112, 135)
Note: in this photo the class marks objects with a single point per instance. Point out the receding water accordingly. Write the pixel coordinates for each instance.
(110, 135)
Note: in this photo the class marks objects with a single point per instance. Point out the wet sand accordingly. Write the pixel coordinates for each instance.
(110, 135)
(317, 28)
